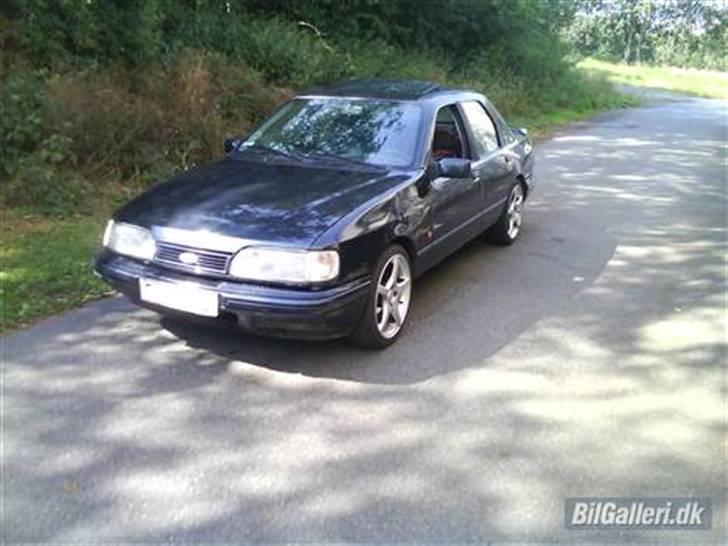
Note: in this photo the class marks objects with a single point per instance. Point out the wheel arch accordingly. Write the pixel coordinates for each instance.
(522, 181)
(408, 245)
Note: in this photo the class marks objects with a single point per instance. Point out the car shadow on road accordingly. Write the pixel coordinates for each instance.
(467, 308)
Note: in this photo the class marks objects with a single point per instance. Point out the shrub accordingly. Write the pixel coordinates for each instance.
(105, 120)
(41, 182)
(378, 59)
(22, 99)
(32, 154)
(121, 128)
(288, 54)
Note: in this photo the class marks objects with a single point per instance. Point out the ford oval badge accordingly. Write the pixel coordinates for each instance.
(189, 258)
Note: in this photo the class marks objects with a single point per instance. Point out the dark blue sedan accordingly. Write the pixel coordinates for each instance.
(317, 223)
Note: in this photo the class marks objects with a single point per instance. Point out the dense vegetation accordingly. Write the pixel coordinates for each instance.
(100, 97)
(684, 33)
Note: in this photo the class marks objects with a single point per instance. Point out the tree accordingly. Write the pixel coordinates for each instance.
(680, 32)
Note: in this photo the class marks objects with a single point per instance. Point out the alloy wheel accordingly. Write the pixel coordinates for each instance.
(394, 288)
(515, 211)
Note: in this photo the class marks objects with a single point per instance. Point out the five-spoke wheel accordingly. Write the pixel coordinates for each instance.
(515, 209)
(508, 226)
(394, 288)
(389, 300)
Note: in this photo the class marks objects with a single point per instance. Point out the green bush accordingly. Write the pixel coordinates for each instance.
(33, 156)
(378, 59)
(123, 129)
(22, 100)
(289, 55)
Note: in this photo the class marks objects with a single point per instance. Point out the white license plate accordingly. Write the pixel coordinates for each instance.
(181, 297)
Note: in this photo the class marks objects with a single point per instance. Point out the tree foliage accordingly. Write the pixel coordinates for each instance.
(139, 31)
(672, 32)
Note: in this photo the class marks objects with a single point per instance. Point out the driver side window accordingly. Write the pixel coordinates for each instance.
(449, 138)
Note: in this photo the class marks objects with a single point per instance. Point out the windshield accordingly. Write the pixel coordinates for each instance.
(369, 131)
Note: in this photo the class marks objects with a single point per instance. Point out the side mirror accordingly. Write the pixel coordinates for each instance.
(521, 131)
(454, 167)
(232, 144)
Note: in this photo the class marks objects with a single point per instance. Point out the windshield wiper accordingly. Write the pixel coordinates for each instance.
(334, 157)
(300, 156)
(274, 151)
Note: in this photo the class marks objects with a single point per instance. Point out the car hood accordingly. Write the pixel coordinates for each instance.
(283, 203)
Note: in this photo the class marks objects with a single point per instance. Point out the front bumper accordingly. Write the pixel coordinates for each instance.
(281, 312)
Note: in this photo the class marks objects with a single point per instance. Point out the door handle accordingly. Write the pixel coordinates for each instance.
(476, 180)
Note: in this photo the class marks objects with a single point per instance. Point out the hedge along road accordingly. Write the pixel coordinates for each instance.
(586, 360)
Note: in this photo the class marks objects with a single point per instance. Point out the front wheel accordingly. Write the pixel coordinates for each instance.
(506, 229)
(388, 301)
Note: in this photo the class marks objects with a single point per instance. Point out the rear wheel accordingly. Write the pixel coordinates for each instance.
(508, 227)
(388, 301)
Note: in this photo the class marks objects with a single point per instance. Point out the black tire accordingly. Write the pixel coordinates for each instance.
(502, 232)
(367, 333)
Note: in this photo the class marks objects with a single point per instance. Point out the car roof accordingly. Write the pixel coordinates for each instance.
(407, 90)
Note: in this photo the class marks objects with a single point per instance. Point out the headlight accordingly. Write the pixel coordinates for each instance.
(292, 266)
(129, 240)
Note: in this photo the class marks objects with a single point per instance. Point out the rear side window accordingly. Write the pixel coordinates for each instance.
(503, 129)
(484, 133)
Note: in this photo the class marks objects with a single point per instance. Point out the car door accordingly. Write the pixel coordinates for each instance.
(455, 201)
(493, 163)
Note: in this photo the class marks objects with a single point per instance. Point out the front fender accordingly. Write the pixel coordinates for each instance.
(361, 236)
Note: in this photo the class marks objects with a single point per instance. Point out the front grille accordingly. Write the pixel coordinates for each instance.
(212, 261)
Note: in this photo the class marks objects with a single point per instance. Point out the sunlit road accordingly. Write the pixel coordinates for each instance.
(587, 360)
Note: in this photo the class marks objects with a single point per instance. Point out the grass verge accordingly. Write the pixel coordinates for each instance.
(45, 266)
(701, 83)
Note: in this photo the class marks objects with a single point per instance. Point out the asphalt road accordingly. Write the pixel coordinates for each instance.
(589, 359)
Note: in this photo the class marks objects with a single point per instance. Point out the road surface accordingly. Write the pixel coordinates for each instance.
(589, 359)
